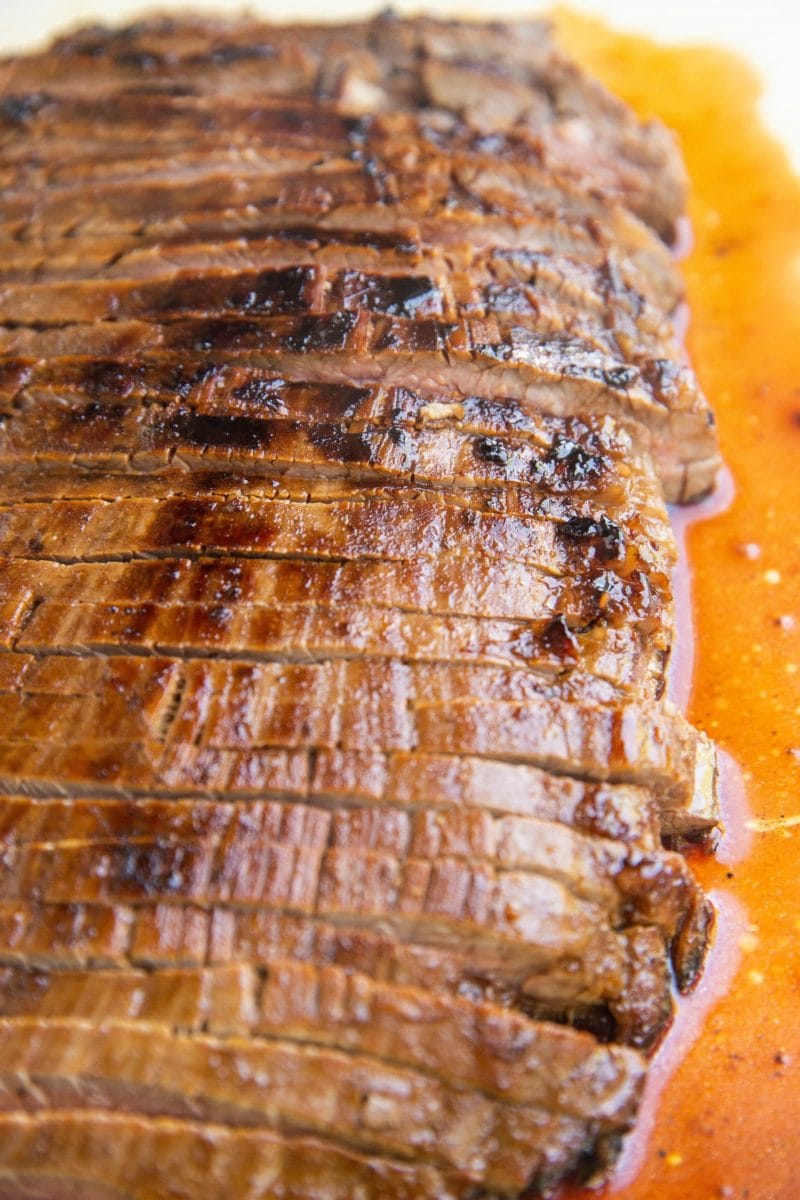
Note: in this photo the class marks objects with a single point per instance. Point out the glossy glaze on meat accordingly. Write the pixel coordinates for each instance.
(342, 800)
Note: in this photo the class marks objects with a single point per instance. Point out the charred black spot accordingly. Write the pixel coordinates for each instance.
(179, 521)
(420, 336)
(602, 536)
(22, 108)
(266, 393)
(229, 52)
(150, 869)
(274, 291)
(218, 481)
(140, 60)
(321, 333)
(395, 295)
(220, 334)
(264, 293)
(357, 128)
(620, 377)
(570, 464)
(219, 615)
(202, 429)
(338, 445)
(97, 411)
(162, 87)
(598, 1021)
(99, 378)
(491, 450)
(182, 382)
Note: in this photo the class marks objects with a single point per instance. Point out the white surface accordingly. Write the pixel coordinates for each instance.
(767, 32)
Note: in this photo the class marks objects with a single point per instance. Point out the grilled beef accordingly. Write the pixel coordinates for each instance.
(488, 80)
(342, 798)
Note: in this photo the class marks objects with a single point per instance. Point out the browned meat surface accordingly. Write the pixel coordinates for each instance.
(555, 372)
(494, 80)
(46, 1153)
(341, 799)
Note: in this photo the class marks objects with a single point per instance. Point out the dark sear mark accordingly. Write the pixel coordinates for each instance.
(96, 411)
(262, 293)
(569, 464)
(492, 451)
(601, 536)
(338, 445)
(20, 109)
(199, 429)
(326, 333)
(395, 295)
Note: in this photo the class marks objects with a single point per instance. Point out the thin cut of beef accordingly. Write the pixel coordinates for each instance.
(342, 799)
(493, 79)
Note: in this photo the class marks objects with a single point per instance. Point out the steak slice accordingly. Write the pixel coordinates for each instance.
(361, 705)
(501, 78)
(621, 990)
(557, 374)
(504, 281)
(398, 291)
(349, 1100)
(45, 1153)
(410, 781)
(480, 1045)
(651, 888)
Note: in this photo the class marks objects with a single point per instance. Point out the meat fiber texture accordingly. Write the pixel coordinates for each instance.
(342, 800)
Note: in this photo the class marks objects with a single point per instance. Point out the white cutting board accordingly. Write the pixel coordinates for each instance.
(766, 32)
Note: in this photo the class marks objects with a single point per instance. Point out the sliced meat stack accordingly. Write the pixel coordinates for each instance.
(342, 803)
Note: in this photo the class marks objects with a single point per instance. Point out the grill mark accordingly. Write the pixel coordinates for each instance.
(400, 222)
(201, 429)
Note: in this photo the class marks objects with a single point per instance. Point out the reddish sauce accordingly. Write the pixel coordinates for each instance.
(723, 1116)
